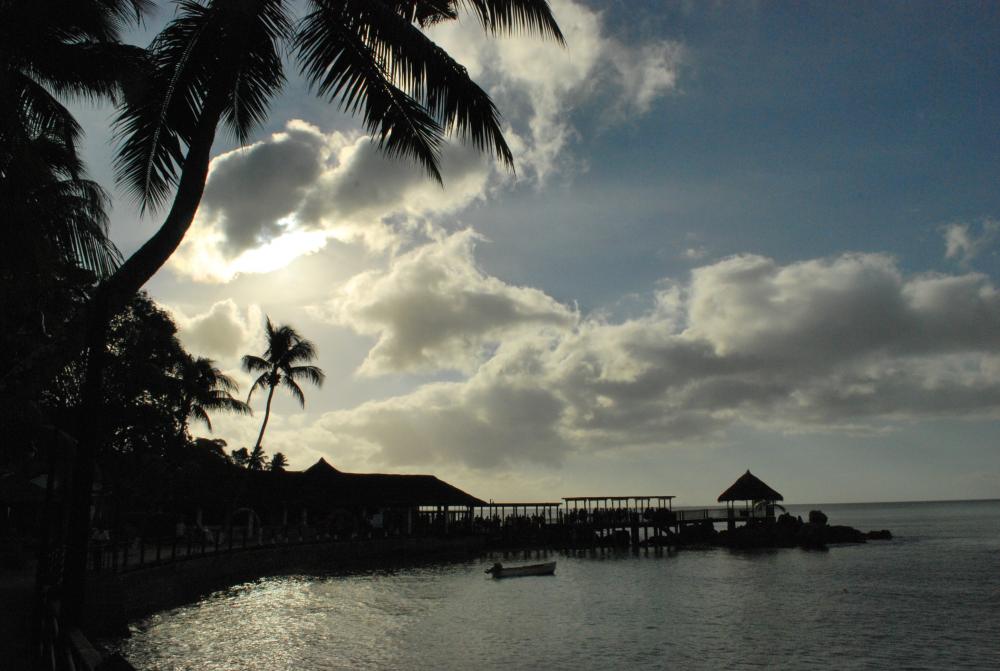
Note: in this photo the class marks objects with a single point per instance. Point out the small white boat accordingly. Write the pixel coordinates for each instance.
(499, 571)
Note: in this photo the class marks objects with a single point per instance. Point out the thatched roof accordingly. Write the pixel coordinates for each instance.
(750, 488)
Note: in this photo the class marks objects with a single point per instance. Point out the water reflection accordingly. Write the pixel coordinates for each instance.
(854, 607)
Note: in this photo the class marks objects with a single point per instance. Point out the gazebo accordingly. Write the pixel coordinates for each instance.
(753, 492)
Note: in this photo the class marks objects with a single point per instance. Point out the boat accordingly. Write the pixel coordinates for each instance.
(499, 571)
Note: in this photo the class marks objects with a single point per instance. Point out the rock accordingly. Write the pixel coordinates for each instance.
(811, 535)
(880, 535)
(842, 534)
(817, 517)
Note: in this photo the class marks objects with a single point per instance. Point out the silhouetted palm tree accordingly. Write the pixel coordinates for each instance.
(278, 462)
(206, 389)
(57, 48)
(51, 49)
(257, 459)
(282, 364)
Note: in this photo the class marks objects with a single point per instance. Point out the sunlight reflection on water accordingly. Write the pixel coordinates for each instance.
(927, 600)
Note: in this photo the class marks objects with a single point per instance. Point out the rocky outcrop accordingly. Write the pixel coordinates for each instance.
(817, 517)
(789, 531)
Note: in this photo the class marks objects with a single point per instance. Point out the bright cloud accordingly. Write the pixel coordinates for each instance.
(848, 343)
(433, 309)
(224, 332)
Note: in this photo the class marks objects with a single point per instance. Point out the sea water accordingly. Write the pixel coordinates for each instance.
(928, 599)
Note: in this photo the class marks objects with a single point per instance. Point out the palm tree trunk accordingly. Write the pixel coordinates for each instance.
(84, 460)
(267, 415)
(108, 300)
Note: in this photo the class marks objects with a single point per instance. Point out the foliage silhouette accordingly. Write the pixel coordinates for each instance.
(205, 388)
(283, 363)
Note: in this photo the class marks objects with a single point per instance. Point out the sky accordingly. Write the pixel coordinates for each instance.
(739, 236)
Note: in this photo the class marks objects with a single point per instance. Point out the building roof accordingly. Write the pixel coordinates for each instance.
(321, 467)
(750, 488)
(321, 483)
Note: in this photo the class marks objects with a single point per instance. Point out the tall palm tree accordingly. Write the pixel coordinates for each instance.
(54, 217)
(205, 389)
(283, 363)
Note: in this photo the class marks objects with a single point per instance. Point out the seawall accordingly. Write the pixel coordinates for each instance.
(117, 598)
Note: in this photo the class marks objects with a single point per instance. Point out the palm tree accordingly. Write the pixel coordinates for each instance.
(204, 389)
(277, 366)
(256, 460)
(56, 217)
(278, 462)
(59, 48)
(50, 49)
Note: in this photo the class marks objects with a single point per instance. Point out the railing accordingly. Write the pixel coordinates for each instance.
(141, 551)
(718, 514)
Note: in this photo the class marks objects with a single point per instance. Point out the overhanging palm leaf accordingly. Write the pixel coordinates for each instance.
(215, 61)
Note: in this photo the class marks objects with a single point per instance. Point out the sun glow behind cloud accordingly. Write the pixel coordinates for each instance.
(278, 253)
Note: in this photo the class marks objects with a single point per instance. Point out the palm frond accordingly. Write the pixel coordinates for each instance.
(512, 16)
(158, 118)
(425, 12)
(259, 74)
(300, 350)
(433, 78)
(262, 382)
(222, 401)
(90, 71)
(294, 389)
(313, 374)
(35, 113)
(341, 66)
(255, 364)
(199, 414)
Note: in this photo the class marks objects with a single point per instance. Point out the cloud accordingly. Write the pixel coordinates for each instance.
(251, 191)
(964, 245)
(287, 195)
(223, 332)
(434, 309)
(842, 344)
(539, 85)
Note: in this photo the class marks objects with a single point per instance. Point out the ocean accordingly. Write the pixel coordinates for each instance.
(928, 599)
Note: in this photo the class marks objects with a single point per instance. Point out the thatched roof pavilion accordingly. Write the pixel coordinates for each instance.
(750, 488)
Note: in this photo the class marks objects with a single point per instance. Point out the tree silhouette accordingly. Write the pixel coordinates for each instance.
(206, 389)
(278, 462)
(283, 363)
